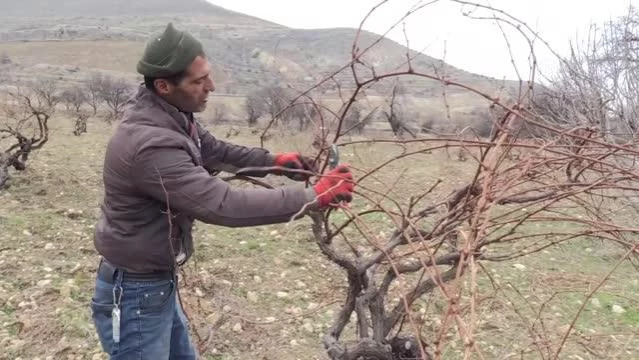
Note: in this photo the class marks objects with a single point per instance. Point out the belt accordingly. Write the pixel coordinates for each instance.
(107, 272)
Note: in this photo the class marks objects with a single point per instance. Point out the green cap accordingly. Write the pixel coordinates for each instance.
(168, 53)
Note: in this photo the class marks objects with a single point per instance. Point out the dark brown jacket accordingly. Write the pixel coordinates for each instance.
(151, 160)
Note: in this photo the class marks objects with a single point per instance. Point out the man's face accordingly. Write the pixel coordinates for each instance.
(191, 93)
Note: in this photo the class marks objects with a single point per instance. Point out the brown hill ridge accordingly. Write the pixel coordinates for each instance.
(74, 8)
(247, 52)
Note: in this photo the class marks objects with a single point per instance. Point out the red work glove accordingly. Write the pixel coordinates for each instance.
(335, 186)
(294, 161)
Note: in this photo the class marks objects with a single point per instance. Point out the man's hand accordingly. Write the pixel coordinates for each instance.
(335, 186)
(294, 161)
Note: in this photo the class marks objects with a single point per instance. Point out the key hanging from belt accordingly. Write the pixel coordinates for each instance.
(115, 318)
(115, 313)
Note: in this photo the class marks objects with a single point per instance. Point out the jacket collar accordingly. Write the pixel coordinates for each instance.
(146, 99)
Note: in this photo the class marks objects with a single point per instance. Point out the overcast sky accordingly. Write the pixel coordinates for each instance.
(440, 30)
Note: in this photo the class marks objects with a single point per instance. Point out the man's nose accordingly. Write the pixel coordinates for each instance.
(210, 86)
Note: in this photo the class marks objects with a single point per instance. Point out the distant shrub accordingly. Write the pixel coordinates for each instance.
(5, 59)
(427, 125)
(111, 91)
(482, 125)
(357, 119)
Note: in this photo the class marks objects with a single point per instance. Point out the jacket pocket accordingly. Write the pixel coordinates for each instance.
(156, 296)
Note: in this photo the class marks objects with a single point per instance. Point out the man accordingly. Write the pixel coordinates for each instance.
(158, 179)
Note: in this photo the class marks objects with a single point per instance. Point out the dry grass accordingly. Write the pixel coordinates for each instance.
(101, 54)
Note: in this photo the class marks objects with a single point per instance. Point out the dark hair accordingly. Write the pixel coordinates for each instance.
(173, 79)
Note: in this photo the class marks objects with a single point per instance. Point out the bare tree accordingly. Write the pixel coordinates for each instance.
(276, 100)
(303, 112)
(74, 98)
(5, 59)
(272, 100)
(47, 94)
(356, 120)
(24, 128)
(254, 107)
(80, 123)
(220, 113)
(598, 83)
(439, 237)
(115, 93)
(92, 89)
(396, 113)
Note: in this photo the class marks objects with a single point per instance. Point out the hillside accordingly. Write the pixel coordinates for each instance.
(69, 39)
(74, 8)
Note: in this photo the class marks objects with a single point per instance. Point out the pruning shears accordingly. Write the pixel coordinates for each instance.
(333, 157)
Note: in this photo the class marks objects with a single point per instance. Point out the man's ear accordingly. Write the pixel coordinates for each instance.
(162, 86)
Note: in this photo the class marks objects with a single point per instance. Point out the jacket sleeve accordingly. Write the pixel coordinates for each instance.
(169, 173)
(220, 155)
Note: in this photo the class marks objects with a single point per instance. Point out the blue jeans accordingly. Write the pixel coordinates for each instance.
(152, 324)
